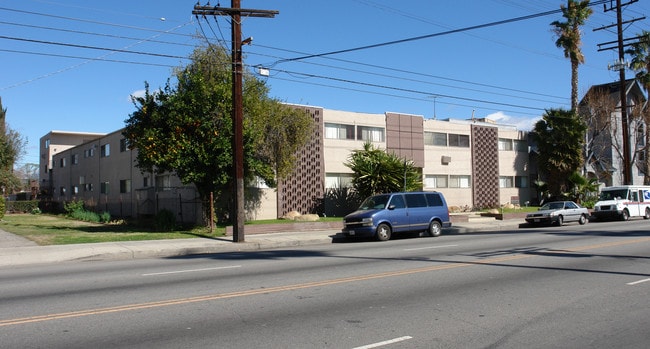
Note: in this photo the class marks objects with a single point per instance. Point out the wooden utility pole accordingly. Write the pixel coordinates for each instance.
(235, 13)
(621, 65)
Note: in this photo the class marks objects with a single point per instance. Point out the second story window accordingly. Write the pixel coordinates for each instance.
(456, 140)
(339, 131)
(370, 134)
(106, 150)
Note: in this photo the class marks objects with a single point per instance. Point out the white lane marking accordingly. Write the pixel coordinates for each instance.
(380, 344)
(191, 270)
(428, 248)
(638, 282)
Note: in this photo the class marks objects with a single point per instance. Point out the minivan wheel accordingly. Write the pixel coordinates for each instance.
(383, 232)
(435, 229)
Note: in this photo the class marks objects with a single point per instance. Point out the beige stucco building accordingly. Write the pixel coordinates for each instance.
(474, 163)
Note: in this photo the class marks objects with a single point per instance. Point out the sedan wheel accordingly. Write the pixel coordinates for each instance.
(383, 232)
(582, 220)
(560, 221)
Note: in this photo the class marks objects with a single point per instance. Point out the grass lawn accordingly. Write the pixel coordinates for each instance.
(58, 230)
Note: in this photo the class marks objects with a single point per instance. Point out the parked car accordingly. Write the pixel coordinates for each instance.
(558, 212)
(382, 215)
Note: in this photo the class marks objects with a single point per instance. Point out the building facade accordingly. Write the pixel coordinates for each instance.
(474, 163)
(601, 108)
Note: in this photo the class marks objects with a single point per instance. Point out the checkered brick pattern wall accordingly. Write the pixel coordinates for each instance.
(485, 165)
(303, 190)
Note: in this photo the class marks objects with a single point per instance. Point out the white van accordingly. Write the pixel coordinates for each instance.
(623, 202)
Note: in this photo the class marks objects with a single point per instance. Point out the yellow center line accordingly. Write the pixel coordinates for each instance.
(178, 301)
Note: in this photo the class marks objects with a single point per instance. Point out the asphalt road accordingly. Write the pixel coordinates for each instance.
(553, 287)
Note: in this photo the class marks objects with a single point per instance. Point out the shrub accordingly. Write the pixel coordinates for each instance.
(105, 217)
(2, 207)
(71, 207)
(36, 210)
(165, 220)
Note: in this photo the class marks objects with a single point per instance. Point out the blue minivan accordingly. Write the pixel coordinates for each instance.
(382, 215)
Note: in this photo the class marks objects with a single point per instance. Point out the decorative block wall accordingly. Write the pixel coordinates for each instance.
(303, 190)
(485, 165)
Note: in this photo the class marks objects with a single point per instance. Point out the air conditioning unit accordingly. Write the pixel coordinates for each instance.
(446, 160)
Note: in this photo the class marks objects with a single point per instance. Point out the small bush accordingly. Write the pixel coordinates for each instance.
(71, 207)
(105, 217)
(165, 220)
(86, 216)
(36, 210)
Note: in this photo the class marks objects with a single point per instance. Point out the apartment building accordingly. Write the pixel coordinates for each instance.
(475, 163)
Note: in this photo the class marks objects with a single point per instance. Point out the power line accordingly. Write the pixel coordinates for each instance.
(453, 31)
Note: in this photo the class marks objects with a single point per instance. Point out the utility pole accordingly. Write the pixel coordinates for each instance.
(235, 13)
(621, 65)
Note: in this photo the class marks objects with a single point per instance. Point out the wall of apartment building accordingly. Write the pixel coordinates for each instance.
(102, 173)
(55, 142)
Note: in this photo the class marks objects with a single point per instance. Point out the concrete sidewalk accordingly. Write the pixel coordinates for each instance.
(16, 251)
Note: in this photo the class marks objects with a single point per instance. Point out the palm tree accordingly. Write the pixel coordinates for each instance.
(569, 38)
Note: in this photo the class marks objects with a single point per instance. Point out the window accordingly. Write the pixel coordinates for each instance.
(435, 181)
(338, 180)
(124, 145)
(416, 200)
(125, 186)
(521, 146)
(104, 188)
(521, 181)
(105, 150)
(505, 144)
(397, 201)
(458, 140)
(505, 182)
(163, 183)
(370, 134)
(47, 143)
(62, 191)
(339, 131)
(62, 162)
(74, 159)
(640, 136)
(145, 182)
(435, 138)
(88, 187)
(74, 189)
(89, 153)
(459, 181)
(434, 200)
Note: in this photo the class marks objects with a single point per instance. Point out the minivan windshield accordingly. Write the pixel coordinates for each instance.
(376, 202)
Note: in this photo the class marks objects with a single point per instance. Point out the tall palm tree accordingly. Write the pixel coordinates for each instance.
(569, 38)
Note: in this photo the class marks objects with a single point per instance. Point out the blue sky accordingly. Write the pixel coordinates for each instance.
(72, 65)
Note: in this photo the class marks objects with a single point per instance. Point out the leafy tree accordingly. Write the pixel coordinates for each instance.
(12, 147)
(187, 128)
(559, 136)
(376, 171)
(569, 39)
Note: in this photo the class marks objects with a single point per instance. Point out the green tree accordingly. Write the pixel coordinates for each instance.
(187, 128)
(569, 38)
(376, 171)
(559, 136)
(12, 146)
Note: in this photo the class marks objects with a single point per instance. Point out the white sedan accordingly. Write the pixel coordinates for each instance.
(558, 212)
